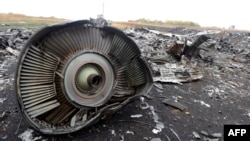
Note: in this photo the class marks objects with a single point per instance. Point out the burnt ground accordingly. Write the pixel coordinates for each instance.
(220, 97)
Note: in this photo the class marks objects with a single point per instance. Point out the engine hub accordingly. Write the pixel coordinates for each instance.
(88, 80)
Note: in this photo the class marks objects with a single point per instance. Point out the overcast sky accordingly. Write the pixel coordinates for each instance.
(221, 13)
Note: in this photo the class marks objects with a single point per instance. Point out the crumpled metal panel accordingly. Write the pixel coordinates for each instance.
(71, 75)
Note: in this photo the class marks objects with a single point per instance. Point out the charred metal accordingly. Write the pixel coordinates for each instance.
(72, 75)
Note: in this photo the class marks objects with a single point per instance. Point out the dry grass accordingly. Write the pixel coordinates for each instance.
(10, 17)
(11, 20)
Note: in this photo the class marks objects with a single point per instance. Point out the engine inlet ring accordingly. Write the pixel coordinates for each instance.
(97, 65)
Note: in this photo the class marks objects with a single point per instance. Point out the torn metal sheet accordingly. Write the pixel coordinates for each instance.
(174, 73)
(193, 50)
(174, 103)
(179, 49)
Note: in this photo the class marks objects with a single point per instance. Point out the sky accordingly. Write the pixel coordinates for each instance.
(220, 13)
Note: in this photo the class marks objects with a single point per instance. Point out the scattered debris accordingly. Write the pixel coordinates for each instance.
(193, 50)
(212, 91)
(2, 100)
(12, 51)
(174, 103)
(4, 115)
(159, 125)
(227, 54)
(178, 49)
(27, 135)
(203, 103)
(156, 47)
(176, 73)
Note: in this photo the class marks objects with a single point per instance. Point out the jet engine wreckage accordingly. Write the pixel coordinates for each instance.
(168, 110)
(72, 75)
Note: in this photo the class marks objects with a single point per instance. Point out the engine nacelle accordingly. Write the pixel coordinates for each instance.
(71, 75)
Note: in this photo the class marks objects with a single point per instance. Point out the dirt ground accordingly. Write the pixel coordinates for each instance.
(220, 97)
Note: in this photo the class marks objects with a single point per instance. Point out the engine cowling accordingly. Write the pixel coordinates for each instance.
(71, 75)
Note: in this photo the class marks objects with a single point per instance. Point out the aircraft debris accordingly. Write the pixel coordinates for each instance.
(159, 125)
(222, 62)
(107, 67)
(203, 103)
(155, 139)
(2, 100)
(12, 51)
(28, 135)
(130, 132)
(196, 135)
(165, 68)
(136, 116)
(174, 103)
(4, 115)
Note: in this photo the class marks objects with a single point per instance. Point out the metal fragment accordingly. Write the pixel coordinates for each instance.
(174, 103)
(196, 135)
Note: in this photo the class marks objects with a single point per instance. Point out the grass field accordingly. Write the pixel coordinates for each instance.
(19, 21)
(11, 20)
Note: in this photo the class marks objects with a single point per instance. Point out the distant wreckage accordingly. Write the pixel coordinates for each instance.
(72, 75)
